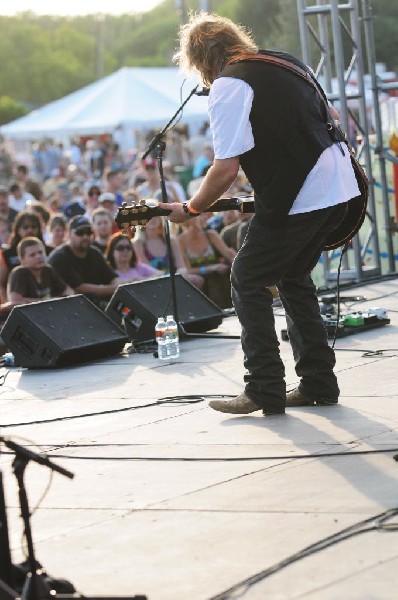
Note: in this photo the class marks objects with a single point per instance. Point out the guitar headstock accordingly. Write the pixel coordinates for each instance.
(137, 215)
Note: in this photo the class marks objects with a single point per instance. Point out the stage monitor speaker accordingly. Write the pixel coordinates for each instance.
(137, 306)
(60, 332)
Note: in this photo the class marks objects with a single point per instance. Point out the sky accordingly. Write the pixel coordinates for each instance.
(71, 7)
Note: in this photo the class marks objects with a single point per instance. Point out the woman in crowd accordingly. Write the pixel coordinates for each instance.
(39, 209)
(121, 256)
(25, 225)
(207, 255)
(91, 201)
(151, 248)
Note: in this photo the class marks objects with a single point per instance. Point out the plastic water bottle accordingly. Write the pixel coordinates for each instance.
(173, 341)
(161, 339)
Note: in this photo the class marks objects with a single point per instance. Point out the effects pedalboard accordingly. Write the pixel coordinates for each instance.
(351, 323)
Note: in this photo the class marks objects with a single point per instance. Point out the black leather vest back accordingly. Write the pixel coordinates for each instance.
(288, 121)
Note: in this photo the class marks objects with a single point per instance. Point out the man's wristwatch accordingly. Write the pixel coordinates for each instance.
(189, 210)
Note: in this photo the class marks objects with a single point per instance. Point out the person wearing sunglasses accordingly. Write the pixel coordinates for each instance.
(122, 258)
(83, 267)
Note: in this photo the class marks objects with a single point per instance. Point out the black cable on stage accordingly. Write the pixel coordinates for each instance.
(186, 399)
(376, 523)
(214, 459)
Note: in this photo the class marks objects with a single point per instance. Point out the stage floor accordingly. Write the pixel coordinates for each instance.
(176, 501)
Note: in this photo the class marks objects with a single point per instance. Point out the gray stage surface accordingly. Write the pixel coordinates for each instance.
(178, 502)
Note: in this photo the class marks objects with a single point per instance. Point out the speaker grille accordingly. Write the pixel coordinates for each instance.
(138, 306)
(60, 332)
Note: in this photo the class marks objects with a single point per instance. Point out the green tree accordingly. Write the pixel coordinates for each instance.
(10, 109)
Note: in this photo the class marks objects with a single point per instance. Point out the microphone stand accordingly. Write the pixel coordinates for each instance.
(158, 145)
(35, 587)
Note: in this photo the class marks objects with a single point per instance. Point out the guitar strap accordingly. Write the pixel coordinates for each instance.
(357, 206)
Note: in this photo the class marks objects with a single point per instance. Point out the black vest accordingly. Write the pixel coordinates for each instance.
(288, 121)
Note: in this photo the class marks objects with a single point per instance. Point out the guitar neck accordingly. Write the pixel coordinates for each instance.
(245, 204)
(131, 216)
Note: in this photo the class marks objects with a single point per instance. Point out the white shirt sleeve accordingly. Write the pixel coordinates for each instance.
(230, 103)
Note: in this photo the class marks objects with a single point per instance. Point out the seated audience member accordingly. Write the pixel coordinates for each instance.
(151, 186)
(173, 179)
(58, 229)
(107, 201)
(91, 201)
(73, 208)
(5, 210)
(121, 256)
(18, 198)
(55, 182)
(103, 224)
(114, 182)
(231, 222)
(82, 267)
(33, 279)
(131, 196)
(28, 184)
(196, 182)
(39, 209)
(245, 219)
(151, 248)
(203, 161)
(4, 230)
(25, 225)
(207, 255)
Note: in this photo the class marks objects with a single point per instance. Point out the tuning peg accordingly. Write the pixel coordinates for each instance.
(132, 230)
(124, 204)
(142, 203)
(142, 227)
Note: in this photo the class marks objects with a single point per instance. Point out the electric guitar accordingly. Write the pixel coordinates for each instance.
(138, 215)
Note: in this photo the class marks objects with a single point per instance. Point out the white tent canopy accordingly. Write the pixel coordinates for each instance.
(131, 98)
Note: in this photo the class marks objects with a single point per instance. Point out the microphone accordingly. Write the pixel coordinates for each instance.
(202, 92)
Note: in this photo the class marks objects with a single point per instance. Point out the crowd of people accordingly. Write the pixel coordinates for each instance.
(58, 235)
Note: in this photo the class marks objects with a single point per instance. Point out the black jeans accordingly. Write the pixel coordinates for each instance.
(284, 257)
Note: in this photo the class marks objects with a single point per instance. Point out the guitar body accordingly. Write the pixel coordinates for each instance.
(356, 211)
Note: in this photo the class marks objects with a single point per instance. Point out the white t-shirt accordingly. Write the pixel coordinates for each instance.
(19, 204)
(331, 181)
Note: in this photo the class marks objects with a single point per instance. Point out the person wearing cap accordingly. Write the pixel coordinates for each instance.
(83, 267)
(107, 201)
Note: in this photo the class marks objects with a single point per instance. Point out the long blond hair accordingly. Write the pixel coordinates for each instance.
(207, 41)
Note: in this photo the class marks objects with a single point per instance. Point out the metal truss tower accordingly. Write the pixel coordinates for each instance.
(332, 35)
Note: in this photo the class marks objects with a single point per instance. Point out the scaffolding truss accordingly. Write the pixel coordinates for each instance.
(332, 35)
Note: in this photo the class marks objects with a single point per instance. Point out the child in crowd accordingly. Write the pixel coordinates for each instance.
(33, 279)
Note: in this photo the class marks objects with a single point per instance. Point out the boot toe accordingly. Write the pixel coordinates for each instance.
(241, 405)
